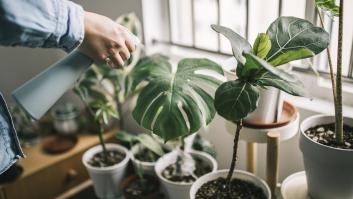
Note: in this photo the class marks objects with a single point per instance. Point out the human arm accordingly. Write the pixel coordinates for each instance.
(62, 24)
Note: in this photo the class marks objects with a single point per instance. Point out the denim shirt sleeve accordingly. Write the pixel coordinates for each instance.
(10, 149)
(41, 23)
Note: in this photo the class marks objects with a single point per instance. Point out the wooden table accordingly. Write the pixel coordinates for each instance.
(46, 176)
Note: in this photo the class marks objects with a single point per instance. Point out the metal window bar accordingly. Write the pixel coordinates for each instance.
(193, 31)
(309, 15)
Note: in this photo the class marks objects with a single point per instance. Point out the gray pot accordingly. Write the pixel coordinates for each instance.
(329, 170)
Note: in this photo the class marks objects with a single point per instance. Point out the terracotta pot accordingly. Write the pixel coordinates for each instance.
(329, 170)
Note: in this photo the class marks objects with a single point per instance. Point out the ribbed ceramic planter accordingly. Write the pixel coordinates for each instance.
(243, 175)
(106, 180)
(329, 170)
(177, 190)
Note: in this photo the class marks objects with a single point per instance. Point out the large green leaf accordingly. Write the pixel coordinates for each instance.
(146, 140)
(329, 6)
(262, 45)
(268, 79)
(234, 100)
(249, 70)
(150, 143)
(291, 33)
(275, 71)
(291, 56)
(174, 103)
(238, 43)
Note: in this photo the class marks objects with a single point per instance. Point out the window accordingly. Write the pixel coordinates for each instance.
(189, 25)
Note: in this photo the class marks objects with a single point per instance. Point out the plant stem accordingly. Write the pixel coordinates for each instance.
(121, 117)
(235, 149)
(338, 107)
(329, 58)
(102, 142)
(101, 129)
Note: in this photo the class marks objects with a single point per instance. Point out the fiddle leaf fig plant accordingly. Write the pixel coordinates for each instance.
(287, 39)
(174, 103)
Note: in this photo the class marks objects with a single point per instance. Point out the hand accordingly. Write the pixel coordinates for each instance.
(105, 41)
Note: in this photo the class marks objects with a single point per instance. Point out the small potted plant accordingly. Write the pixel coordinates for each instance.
(144, 152)
(326, 140)
(104, 92)
(106, 163)
(287, 39)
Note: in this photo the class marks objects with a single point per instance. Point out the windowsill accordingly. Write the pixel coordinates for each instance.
(316, 105)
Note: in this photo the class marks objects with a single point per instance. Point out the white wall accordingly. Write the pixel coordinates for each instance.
(18, 65)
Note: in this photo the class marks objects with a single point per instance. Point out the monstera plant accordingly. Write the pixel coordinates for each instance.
(175, 102)
(287, 39)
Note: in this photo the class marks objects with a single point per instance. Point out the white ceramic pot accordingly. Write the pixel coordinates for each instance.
(177, 190)
(243, 175)
(106, 180)
(147, 167)
(329, 170)
(268, 108)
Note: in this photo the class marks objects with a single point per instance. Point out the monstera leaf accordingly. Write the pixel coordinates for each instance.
(238, 43)
(234, 100)
(174, 102)
(292, 34)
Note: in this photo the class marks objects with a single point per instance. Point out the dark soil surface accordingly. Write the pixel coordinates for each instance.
(238, 189)
(113, 157)
(324, 134)
(146, 155)
(138, 188)
(202, 168)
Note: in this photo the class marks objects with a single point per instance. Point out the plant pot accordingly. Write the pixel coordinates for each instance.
(270, 104)
(151, 181)
(147, 167)
(106, 180)
(243, 175)
(177, 190)
(329, 170)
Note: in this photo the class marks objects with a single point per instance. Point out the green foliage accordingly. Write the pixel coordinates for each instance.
(262, 45)
(239, 44)
(146, 140)
(329, 6)
(174, 103)
(234, 100)
(290, 34)
(287, 39)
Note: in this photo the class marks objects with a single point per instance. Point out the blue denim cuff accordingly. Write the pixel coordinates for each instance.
(70, 25)
(10, 148)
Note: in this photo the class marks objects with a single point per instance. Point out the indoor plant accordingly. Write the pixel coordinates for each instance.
(144, 151)
(287, 39)
(173, 105)
(326, 140)
(103, 91)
